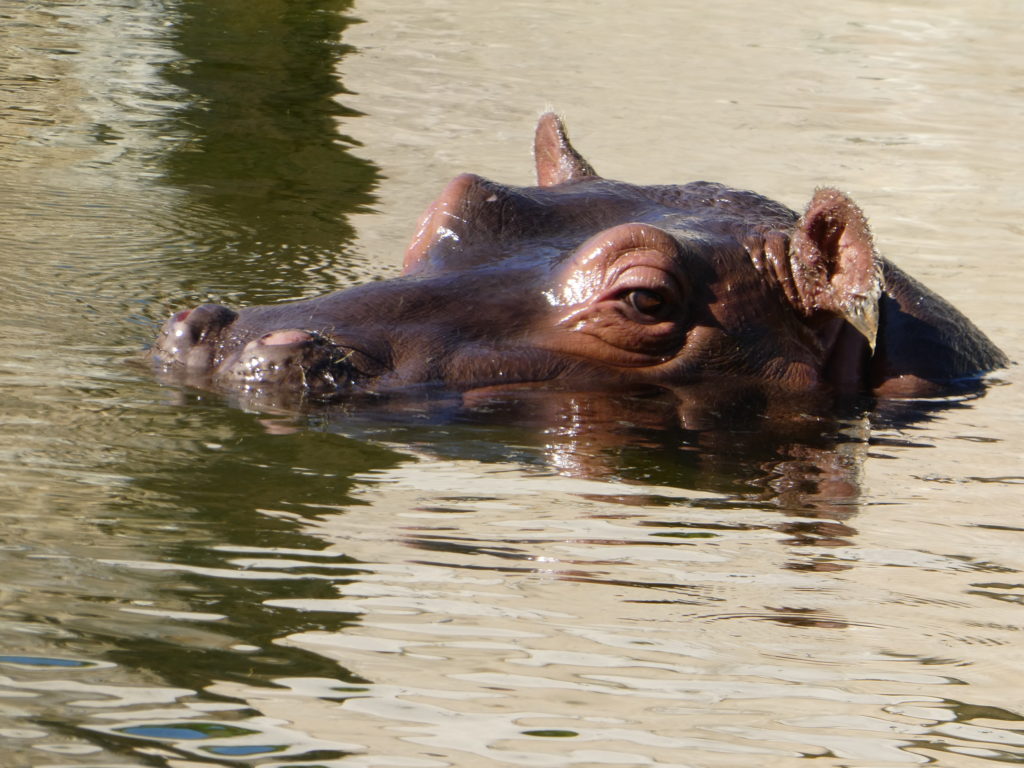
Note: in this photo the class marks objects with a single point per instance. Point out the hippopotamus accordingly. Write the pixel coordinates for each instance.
(592, 284)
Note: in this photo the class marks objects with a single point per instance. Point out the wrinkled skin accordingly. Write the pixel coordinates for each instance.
(592, 284)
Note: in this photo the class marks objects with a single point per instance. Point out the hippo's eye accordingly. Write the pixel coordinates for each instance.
(646, 302)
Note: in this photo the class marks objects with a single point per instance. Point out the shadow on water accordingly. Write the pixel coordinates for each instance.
(800, 458)
(795, 454)
(268, 173)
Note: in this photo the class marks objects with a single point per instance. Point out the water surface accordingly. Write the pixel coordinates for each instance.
(185, 581)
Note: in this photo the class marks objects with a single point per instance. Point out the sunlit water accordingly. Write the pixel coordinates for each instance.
(185, 582)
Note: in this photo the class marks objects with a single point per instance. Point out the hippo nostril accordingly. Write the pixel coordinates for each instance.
(193, 326)
(209, 317)
(187, 336)
(303, 361)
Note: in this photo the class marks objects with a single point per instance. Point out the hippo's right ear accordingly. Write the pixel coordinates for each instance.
(557, 160)
(833, 264)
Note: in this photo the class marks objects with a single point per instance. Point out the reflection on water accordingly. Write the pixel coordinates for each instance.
(257, 142)
(557, 580)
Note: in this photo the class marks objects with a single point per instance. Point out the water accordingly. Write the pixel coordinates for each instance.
(186, 582)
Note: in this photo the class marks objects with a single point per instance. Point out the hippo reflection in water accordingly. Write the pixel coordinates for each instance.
(590, 284)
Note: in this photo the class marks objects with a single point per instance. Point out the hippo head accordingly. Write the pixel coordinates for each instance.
(578, 282)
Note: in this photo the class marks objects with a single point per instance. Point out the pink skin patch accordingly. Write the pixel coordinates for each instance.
(280, 338)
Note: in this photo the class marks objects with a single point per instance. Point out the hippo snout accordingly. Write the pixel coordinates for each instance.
(212, 345)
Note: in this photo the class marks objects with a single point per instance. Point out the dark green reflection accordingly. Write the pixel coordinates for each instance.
(215, 498)
(260, 152)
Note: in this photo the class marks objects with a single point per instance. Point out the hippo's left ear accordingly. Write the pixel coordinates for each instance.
(557, 160)
(833, 263)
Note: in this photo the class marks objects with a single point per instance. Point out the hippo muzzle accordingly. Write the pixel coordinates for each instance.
(204, 347)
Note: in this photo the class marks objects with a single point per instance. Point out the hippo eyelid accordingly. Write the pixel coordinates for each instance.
(648, 274)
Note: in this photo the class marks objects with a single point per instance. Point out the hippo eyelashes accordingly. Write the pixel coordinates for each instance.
(591, 283)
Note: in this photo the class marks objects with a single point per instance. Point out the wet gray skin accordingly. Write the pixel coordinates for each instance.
(587, 283)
